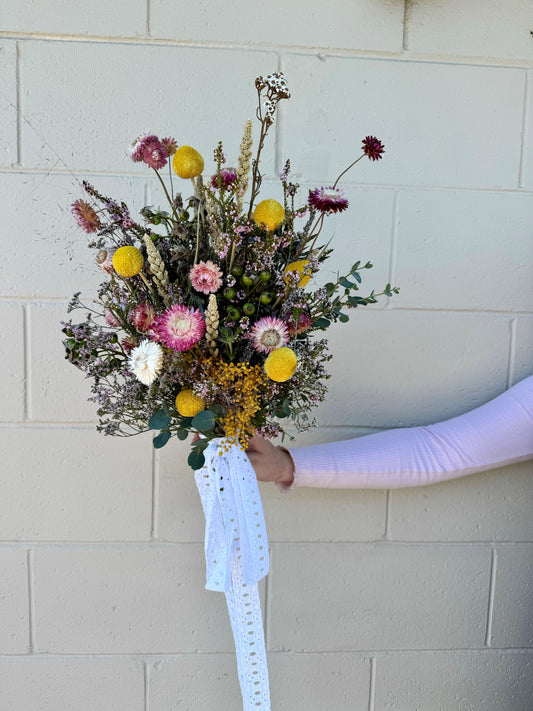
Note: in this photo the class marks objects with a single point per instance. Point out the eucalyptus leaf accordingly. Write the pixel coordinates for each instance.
(161, 439)
(204, 421)
(343, 318)
(217, 409)
(356, 276)
(343, 281)
(182, 434)
(186, 422)
(322, 322)
(196, 459)
(159, 420)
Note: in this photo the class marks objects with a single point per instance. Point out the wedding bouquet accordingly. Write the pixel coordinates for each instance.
(207, 321)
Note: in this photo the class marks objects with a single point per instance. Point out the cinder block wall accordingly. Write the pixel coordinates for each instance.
(411, 599)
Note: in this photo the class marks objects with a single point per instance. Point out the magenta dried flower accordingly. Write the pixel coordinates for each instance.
(179, 327)
(227, 178)
(373, 148)
(143, 316)
(149, 150)
(327, 199)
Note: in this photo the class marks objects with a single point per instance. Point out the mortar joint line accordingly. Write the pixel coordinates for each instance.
(405, 25)
(512, 352)
(372, 685)
(388, 507)
(394, 241)
(154, 528)
(492, 586)
(18, 104)
(148, 19)
(147, 668)
(31, 602)
(524, 132)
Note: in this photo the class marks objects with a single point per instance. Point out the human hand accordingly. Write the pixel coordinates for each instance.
(270, 463)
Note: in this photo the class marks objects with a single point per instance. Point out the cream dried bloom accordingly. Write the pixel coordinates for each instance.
(146, 361)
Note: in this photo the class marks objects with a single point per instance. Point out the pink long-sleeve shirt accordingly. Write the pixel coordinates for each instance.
(493, 435)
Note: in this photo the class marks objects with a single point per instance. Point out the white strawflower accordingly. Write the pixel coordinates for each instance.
(146, 361)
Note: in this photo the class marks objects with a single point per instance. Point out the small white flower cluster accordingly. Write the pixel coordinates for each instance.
(277, 89)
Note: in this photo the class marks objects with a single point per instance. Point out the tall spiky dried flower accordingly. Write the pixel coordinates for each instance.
(243, 167)
(211, 324)
(157, 266)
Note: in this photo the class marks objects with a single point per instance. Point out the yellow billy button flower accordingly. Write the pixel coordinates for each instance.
(188, 404)
(280, 365)
(299, 267)
(187, 162)
(269, 214)
(127, 261)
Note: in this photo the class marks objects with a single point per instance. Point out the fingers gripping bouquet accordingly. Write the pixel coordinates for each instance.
(206, 321)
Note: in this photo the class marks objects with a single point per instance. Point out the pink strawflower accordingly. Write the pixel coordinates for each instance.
(129, 343)
(373, 148)
(328, 199)
(150, 150)
(227, 177)
(111, 318)
(269, 333)
(206, 277)
(143, 317)
(170, 144)
(86, 217)
(299, 324)
(179, 327)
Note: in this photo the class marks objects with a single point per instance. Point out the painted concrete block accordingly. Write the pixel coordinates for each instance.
(319, 681)
(512, 625)
(50, 257)
(491, 506)
(361, 25)
(52, 683)
(8, 103)
(185, 101)
(12, 359)
(192, 681)
(522, 366)
(14, 607)
(70, 483)
(436, 121)
(59, 391)
(347, 597)
(465, 250)
(127, 599)
(395, 368)
(474, 29)
(126, 18)
(469, 680)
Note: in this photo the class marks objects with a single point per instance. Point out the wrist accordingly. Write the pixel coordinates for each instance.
(286, 475)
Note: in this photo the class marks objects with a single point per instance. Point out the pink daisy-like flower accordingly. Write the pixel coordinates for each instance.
(143, 316)
(328, 199)
(86, 217)
(227, 178)
(206, 277)
(170, 144)
(269, 333)
(179, 327)
(373, 148)
(300, 324)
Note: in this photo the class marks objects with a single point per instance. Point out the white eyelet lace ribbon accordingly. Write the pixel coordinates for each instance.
(236, 554)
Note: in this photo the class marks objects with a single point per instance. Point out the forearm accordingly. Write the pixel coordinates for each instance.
(495, 434)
